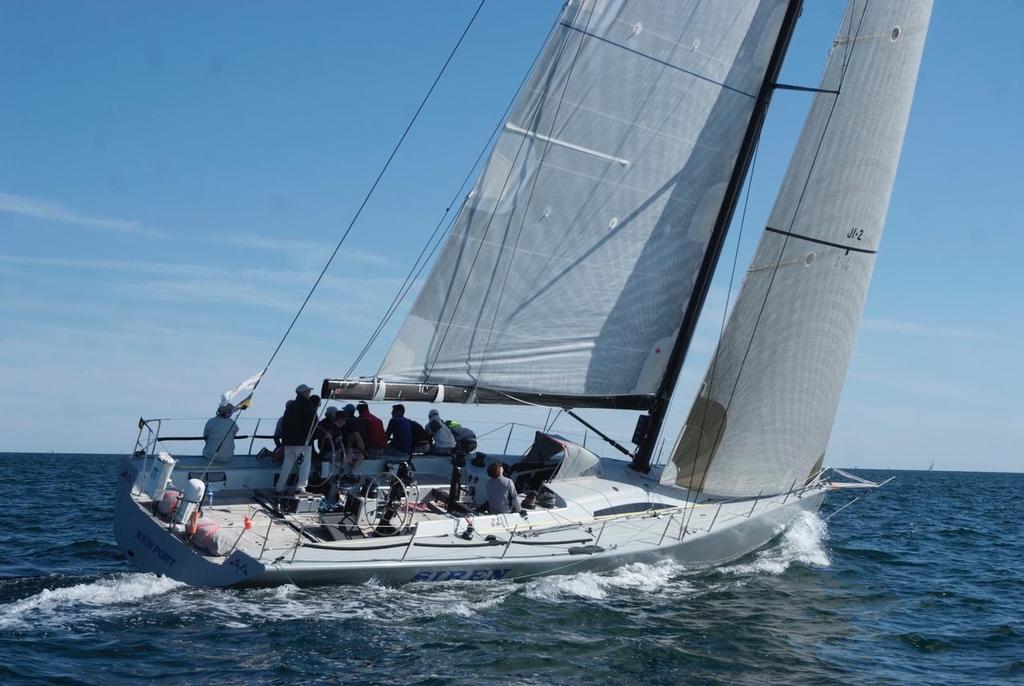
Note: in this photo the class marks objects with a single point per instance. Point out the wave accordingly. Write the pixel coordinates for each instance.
(597, 586)
(803, 543)
(923, 643)
(112, 596)
(382, 604)
(63, 605)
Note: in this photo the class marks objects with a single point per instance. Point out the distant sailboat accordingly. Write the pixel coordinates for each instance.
(931, 466)
(574, 277)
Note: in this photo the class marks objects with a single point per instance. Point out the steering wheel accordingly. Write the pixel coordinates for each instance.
(388, 507)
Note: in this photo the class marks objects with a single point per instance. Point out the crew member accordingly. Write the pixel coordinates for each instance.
(354, 429)
(399, 432)
(501, 492)
(328, 439)
(465, 438)
(296, 434)
(352, 432)
(219, 433)
(442, 439)
(377, 437)
(278, 430)
(421, 440)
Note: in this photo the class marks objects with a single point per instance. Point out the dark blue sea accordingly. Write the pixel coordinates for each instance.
(918, 583)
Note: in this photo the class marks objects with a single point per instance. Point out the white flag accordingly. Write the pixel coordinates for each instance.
(247, 385)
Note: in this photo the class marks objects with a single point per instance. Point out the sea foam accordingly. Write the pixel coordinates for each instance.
(803, 542)
(67, 604)
(597, 586)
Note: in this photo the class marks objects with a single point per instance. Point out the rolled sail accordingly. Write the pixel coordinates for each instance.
(571, 263)
(762, 419)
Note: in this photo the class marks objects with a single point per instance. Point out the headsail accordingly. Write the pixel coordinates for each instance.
(763, 416)
(570, 266)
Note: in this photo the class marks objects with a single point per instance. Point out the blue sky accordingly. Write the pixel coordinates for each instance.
(175, 174)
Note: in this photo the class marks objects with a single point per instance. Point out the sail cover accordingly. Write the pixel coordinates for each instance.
(569, 268)
(762, 418)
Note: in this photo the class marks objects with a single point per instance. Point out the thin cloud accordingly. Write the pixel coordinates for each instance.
(915, 329)
(284, 277)
(107, 265)
(39, 208)
(359, 300)
(301, 247)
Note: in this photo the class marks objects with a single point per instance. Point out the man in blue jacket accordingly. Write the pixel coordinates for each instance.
(399, 432)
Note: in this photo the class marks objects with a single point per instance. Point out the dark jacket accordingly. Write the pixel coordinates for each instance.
(419, 434)
(354, 425)
(296, 422)
(400, 433)
(327, 436)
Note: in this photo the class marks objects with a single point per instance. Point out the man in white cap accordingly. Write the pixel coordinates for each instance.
(442, 440)
(296, 433)
(219, 433)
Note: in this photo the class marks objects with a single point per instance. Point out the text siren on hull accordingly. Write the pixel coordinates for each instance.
(573, 277)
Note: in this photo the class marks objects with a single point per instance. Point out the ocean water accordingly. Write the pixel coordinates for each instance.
(921, 582)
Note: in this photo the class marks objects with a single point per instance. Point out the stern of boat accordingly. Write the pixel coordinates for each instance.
(149, 545)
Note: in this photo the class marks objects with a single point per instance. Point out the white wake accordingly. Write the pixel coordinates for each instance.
(65, 605)
(802, 543)
(597, 586)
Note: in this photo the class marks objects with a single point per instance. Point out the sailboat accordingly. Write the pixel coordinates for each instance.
(573, 278)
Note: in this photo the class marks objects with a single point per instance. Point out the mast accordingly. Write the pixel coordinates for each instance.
(649, 426)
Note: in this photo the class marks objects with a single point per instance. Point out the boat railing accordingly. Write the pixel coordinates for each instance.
(505, 438)
(794, 490)
(153, 436)
(153, 432)
(681, 515)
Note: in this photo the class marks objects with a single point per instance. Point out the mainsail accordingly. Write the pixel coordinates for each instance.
(762, 418)
(571, 264)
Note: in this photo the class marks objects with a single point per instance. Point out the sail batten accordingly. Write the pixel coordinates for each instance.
(571, 262)
(762, 418)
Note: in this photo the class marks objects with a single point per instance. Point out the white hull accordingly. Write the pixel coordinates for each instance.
(572, 537)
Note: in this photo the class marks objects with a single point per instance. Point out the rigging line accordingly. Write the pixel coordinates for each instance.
(663, 62)
(373, 186)
(721, 328)
(529, 198)
(355, 217)
(403, 290)
(428, 367)
(608, 439)
(821, 141)
(407, 285)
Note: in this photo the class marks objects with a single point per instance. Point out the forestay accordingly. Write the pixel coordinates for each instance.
(762, 418)
(571, 263)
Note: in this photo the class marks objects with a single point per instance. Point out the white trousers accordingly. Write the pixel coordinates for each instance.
(292, 453)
